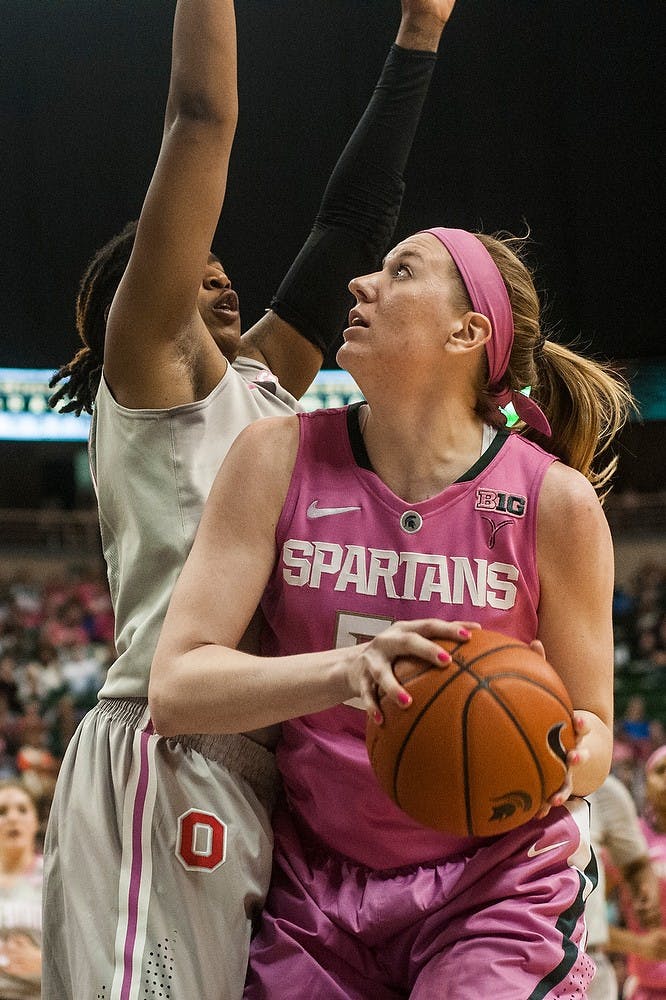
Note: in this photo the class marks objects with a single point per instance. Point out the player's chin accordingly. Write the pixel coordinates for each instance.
(227, 339)
(348, 353)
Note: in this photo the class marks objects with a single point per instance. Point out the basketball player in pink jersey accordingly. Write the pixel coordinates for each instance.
(158, 851)
(372, 531)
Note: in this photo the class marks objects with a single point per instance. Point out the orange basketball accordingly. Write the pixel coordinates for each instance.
(483, 743)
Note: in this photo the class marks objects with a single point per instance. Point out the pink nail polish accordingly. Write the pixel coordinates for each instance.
(377, 716)
(464, 633)
(404, 698)
(443, 656)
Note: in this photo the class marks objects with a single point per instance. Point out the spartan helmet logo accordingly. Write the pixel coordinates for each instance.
(411, 521)
(508, 804)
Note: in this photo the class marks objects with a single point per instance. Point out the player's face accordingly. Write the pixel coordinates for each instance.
(405, 313)
(218, 306)
(18, 819)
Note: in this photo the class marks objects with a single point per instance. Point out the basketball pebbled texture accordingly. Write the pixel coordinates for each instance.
(483, 744)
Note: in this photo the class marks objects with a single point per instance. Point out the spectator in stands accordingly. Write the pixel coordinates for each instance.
(634, 727)
(20, 895)
(8, 682)
(41, 674)
(67, 627)
(8, 745)
(647, 948)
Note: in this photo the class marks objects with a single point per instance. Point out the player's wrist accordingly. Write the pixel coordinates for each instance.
(422, 33)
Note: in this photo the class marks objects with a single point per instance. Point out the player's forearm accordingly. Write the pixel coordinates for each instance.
(203, 84)
(361, 204)
(214, 689)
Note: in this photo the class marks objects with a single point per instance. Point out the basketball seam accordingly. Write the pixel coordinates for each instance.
(462, 666)
(523, 735)
(406, 738)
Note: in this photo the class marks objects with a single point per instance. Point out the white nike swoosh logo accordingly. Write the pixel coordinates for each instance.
(314, 510)
(533, 852)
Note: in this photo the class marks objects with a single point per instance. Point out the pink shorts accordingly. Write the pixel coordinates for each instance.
(505, 921)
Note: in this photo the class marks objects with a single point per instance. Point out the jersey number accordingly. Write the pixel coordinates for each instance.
(352, 629)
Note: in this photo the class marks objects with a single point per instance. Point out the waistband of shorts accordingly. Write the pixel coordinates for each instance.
(240, 755)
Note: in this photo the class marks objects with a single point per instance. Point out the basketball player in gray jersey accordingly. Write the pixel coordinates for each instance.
(158, 851)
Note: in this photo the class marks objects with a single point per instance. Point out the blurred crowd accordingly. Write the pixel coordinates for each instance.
(56, 644)
(639, 617)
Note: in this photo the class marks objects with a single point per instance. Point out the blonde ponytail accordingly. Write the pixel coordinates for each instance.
(586, 402)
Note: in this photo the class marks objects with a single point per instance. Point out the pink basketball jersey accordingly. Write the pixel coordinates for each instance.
(352, 558)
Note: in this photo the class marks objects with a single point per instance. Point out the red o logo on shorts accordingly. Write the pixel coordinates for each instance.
(202, 841)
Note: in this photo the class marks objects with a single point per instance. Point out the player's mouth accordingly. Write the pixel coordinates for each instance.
(226, 304)
(356, 320)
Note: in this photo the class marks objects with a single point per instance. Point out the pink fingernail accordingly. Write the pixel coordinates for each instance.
(464, 633)
(378, 718)
(574, 758)
(444, 657)
(404, 698)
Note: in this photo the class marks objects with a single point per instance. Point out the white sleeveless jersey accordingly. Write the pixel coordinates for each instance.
(152, 471)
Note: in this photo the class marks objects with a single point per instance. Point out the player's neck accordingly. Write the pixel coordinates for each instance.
(417, 455)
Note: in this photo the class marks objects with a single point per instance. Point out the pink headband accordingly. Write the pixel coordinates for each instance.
(655, 758)
(489, 297)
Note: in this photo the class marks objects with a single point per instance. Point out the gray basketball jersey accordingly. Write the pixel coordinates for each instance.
(152, 471)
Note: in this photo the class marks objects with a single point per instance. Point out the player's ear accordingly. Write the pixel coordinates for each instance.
(472, 332)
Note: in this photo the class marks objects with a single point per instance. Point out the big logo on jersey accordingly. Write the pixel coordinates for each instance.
(412, 576)
(503, 503)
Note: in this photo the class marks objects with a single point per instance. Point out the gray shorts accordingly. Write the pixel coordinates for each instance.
(157, 859)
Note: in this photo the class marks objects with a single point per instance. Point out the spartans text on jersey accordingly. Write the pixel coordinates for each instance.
(412, 576)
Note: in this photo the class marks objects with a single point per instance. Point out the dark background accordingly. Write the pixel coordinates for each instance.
(541, 114)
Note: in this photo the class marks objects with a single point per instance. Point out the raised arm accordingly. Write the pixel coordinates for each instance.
(575, 561)
(359, 210)
(154, 313)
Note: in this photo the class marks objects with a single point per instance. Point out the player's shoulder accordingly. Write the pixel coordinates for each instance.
(564, 485)
(570, 514)
(268, 432)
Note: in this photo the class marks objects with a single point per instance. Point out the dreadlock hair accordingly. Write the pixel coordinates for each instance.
(80, 377)
(586, 402)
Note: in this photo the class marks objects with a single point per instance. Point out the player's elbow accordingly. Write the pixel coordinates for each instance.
(164, 701)
(196, 109)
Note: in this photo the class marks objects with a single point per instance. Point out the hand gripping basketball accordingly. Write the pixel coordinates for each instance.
(484, 743)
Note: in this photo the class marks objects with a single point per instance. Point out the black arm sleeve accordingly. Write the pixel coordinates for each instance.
(360, 207)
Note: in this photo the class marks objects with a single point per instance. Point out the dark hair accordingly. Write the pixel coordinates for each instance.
(586, 402)
(80, 377)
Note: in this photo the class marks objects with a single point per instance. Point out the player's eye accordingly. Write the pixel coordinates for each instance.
(401, 271)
